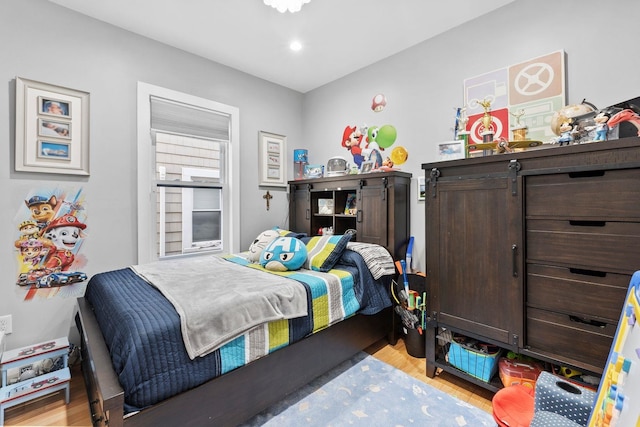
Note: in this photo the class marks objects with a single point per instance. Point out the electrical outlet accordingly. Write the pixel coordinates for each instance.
(5, 324)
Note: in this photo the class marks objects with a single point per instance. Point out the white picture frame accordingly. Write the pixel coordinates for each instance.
(52, 129)
(272, 159)
(366, 167)
(451, 150)
(422, 189)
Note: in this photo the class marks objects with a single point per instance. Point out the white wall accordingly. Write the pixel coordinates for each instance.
(48, 43)
(423, 84)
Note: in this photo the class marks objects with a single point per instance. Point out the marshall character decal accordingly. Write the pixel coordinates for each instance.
(50, 232)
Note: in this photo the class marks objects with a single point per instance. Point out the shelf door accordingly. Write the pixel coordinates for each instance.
(371, 219)
(300, 209)
(475, 257)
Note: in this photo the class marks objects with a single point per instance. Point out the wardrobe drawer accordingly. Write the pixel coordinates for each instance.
(570, 337)
(580, 195)
(597, 294)
(595, 245)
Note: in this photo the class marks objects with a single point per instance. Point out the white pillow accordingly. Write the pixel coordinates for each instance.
(261, 242)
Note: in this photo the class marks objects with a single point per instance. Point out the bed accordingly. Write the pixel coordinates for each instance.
(214, 389)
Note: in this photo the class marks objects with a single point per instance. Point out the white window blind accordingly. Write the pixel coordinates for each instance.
(182, 119)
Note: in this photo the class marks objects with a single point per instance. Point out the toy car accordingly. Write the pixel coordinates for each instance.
(31, 350)
(43, 382)
(61, 279)
(32, 277)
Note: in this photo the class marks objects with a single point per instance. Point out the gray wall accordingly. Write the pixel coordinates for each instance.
(48, 43)
(423, 85)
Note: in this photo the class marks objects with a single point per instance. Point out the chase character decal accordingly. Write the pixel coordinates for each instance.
(42, 209)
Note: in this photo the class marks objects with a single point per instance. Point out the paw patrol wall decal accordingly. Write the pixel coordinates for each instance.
(50, 228)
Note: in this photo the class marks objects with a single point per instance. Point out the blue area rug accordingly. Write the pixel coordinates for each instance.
(367, 392)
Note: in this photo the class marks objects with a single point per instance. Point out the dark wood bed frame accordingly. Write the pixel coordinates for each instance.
(235, 396)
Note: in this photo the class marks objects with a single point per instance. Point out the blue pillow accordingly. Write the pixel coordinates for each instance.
(284, 253)
(325, 251)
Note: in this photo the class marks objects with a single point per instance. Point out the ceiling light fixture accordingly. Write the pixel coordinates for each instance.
(295, 46)
(283, 5)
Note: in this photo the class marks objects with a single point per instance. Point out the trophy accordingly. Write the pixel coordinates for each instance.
(519, 130)
(462, 133)
(487, 133)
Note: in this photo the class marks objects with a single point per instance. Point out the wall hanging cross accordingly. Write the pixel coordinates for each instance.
(267, 197)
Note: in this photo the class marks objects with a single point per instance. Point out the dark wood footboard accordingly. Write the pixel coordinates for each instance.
(235, 396)
(106, 397)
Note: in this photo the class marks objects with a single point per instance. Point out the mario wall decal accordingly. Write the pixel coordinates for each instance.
(51, 229)
(367, 144)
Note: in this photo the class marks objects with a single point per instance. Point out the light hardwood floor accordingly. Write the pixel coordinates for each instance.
(52, 411)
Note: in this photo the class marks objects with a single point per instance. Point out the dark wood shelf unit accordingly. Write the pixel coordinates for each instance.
(382, 203)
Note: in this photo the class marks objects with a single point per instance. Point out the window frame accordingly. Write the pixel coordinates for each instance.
(147, 184)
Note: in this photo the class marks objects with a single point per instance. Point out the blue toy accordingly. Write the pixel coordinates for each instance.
(284, 253)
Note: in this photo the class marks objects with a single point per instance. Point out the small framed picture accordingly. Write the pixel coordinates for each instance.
(51, 128)
(53, 150)
(366, 167)
(54, 107)
(313, 171)
(451, 150)
(272, 162)
(421, 188)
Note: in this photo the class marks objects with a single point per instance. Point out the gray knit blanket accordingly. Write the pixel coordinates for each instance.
(376, 257)
(218, 300)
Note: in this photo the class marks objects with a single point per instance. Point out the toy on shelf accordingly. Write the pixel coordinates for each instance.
(626, 115)
(566, 136)
(601, 127)
(503, 146)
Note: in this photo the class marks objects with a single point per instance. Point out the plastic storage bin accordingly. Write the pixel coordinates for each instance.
(478, 364)
(519, 372)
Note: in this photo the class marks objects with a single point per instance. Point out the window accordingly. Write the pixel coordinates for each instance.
(202, 213)
(187, 175)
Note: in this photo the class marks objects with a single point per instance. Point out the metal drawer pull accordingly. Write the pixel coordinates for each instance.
(587, 322)
(514, 254)
(588, 272)
(577, 223)
(585, 174)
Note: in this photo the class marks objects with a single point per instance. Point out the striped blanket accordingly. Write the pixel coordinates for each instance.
(332, 295)
(331, 298)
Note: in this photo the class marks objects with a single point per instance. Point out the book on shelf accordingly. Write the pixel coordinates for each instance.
(350, 207)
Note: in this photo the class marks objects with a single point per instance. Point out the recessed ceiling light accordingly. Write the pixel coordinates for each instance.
(295, 46)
